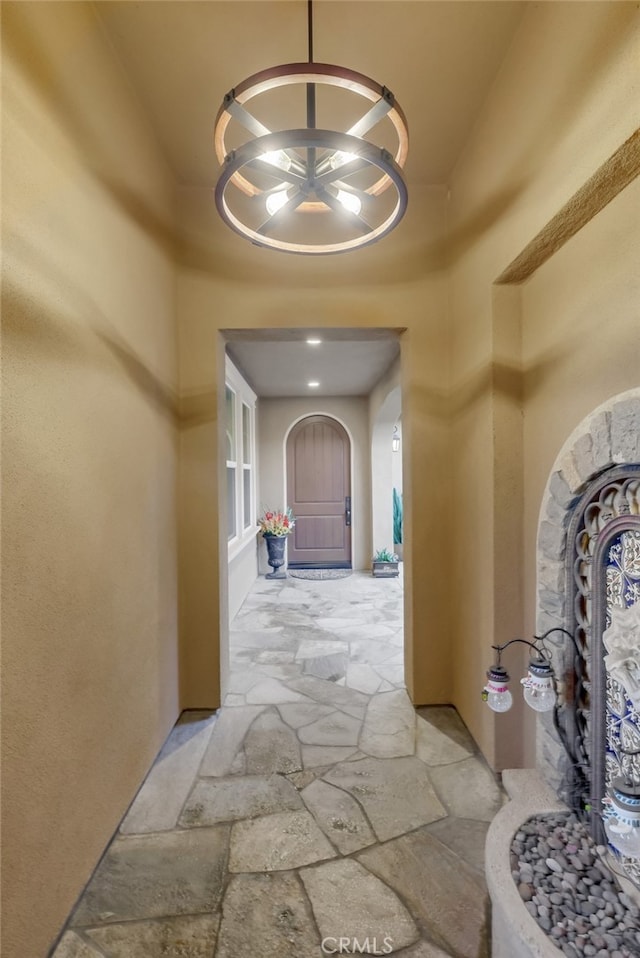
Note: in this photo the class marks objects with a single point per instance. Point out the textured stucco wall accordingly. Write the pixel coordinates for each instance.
(581, 340)
(89, 665)
(565, 100)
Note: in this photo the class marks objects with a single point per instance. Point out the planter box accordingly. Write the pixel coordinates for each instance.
(385, 570)
(515, 933)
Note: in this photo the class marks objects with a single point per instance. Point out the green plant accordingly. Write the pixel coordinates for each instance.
(397, 517)
(385, 555)
(274, 523)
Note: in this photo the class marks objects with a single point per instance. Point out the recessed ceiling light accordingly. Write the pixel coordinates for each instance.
(313, 384)
(314, 342)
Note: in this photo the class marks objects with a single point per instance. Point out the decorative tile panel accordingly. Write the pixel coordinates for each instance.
(606, 573)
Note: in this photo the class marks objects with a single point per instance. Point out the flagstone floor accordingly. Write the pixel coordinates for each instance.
(315, 814)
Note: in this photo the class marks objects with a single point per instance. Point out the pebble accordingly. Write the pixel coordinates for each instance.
(567, 887)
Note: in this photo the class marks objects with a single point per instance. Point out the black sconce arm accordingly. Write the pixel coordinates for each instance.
(537, 645)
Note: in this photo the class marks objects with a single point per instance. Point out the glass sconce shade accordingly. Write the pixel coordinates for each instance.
(539, 691)
(496, 692)
(621, 815)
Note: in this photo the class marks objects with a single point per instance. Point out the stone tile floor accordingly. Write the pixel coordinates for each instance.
(316, 813)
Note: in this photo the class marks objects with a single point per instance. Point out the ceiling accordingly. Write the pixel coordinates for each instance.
(280, 362)
(438, 58)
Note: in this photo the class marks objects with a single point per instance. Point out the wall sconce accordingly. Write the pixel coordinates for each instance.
(621, 806)
(395, 442)
(496, 692)
(539, 688)
(538, 684)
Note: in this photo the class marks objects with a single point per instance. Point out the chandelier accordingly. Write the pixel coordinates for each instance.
(291, 184)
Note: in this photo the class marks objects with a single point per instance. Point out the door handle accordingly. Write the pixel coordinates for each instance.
(347, 510)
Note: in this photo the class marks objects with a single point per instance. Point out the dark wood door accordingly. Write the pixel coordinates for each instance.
(319, 491)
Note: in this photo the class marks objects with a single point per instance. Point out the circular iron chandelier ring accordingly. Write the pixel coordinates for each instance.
(310, 139)
(310, 73)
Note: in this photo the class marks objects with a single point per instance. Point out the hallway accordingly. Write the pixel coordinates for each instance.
(315, 814)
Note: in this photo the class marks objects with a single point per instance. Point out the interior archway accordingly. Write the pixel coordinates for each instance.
(609, 437)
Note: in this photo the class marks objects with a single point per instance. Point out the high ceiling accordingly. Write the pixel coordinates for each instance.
(438, 58)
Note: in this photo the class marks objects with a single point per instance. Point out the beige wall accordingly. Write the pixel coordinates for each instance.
(89, 666)
(565, 100)
(581, 346)
(243, 571)
(276, 418)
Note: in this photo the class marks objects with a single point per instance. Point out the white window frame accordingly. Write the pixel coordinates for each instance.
(244, 396)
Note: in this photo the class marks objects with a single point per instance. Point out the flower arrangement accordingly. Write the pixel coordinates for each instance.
(274, 523)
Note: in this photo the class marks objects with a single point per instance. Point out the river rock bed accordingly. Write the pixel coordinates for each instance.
(569, 890)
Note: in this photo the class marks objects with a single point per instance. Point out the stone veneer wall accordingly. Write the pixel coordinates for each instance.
(608, 437)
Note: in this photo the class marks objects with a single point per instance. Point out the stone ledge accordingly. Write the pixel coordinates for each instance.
(515, 934)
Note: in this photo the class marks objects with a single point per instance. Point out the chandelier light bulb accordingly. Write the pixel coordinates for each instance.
(275, 201)
(496, 692)
(350, 201)
(277, 158)
(538, 688)
(339, 158)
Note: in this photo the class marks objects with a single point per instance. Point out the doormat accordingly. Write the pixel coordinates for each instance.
(319, 573)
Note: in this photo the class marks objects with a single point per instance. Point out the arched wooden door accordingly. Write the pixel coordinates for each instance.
(319, 492)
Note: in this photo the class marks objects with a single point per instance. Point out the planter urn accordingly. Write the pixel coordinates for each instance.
(275, 555)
